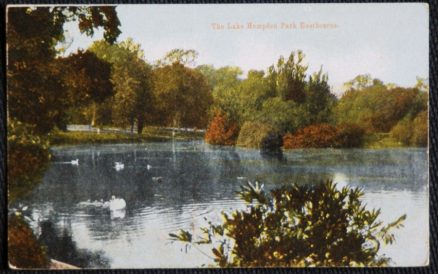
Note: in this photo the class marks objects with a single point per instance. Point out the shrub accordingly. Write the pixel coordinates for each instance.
(349, 135)
(420, 133)
(24, 251)
(259, 135)
(221, 131)
(402, 131)
(325, 135)
(314, 136)
(412, 132)
(296, 225)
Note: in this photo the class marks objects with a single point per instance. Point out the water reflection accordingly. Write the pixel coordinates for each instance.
(63, 248)
(197, 180)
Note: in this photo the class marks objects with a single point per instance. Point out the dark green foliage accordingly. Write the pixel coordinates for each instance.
(28, 156)
(288, 77)
(293, 226)
(319, 99)
(88, 78)
(349, 135)
(36, 79)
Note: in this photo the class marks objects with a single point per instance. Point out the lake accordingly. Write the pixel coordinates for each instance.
(173, 185)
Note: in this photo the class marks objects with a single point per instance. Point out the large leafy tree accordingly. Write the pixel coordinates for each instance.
(38, 98)
(225, 84)
(319, 99)
(183, 95)
(288, 77)
(131, 77)
(35, 77)
(88, 81)
(253, 92)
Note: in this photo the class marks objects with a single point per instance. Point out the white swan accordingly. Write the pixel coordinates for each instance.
(116, 203)
(75, 162)
(148, 167)
(119, 166)
(158, 179)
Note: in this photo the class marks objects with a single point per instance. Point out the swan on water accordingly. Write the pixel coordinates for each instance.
(116, 203)
(148, 167)
(75, 162)
(119, 166)
(157, 179)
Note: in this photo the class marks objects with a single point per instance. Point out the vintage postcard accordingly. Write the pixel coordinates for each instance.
(190, 136)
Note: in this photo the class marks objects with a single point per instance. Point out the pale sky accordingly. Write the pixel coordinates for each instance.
(388, 41)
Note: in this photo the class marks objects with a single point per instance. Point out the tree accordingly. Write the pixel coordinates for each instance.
(412, 132)
(132, 79)
(225, 85)
(253, 92)
(88, 80)
(284, 116)
(362, 81)
(221, 131)
(183, 96)
(181, 56)
(420, 135)
(319, 99)
(288, 77)
(35, 77)
(377, 108)
(37, 102)
(297, 226)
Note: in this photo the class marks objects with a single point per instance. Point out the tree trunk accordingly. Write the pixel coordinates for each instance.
(140, 125)
(93, 118)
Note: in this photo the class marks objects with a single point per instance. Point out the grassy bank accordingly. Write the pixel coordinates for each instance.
(149, 134)
(381, 140)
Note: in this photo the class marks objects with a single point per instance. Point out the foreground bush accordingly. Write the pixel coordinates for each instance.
(259, 135)
(28, 156)
(24, 251)
(221, 131)
(297, 226)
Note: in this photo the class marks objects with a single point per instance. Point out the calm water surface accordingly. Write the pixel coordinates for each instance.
(196, 181)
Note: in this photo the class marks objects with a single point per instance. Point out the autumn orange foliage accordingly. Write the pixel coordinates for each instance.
(24, 249)
(316, 136)
(221, 131)
(324, 135)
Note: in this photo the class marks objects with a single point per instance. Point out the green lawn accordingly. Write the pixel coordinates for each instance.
(149, 134)
(381, 140)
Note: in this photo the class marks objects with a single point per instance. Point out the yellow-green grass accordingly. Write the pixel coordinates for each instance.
(381, 140)
(150, 134)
